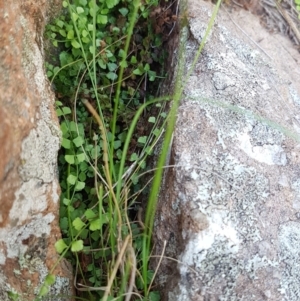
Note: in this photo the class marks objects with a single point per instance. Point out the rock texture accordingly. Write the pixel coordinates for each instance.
(230, 210)
(29, 142)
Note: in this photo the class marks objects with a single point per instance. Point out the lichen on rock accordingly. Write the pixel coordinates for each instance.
(231, 203)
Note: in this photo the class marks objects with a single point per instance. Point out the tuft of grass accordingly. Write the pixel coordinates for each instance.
(104, 62)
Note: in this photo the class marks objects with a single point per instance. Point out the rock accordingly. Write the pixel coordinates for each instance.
(229, 210)
(29, 139)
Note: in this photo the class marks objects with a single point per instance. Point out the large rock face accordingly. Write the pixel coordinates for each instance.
(29, 141)
(230, 210)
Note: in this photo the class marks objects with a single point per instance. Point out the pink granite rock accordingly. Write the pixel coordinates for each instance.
(29, 142)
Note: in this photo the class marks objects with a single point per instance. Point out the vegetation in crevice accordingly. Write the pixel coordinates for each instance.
(109, 57)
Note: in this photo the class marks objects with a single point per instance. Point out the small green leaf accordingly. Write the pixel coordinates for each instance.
(64, 128)
(90, 27)
(93, 8)
(152, 75)
(133, 60)
(84, 233)
(60, 23)
(95, 235)
(101, 19)
(133, 157)
(72, 126)
(89, 214)
(95, 225)
(124, 64)
(74, 17)
(64, 223)
(122, 53)
(60, 246)
(111, 3)
(154, 296)
(49, 75)
(70, 35)
(65, 4)
(112, 66)
(82, 177)
(142, 164)
(50, 279)
(13, 296)
(59, 111)
(70, 159)
(44, 290)
(145, 13)
(78, 141)
(75, 44)
(78, 223)
(66, 143)
(147, 67)
(66, 110)
(71, 179)
(116, 30)
(66, 201)
(77, 246)
(138, 72)
(85, 40)
(101, 64)
(56, 70)
(79, 10)
(149, 150)
(123, 11)
(152, 119)
(62, 32)
(92, 49)
(83, 166)
(156, 132)
(111, 75)
(117, 144)
(142, 139)
(150, 275)
(79, 186)
(134, 178)
(80, 157)
(84, 33)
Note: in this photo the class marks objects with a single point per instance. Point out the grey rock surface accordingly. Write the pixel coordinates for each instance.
(29, 143)
(230, 210)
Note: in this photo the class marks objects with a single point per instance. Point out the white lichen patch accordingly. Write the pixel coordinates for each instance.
(39, 152)
(294, 95)
(289, 239)
(59, 291)
(267, 153)
(229, 194)
(37, 227)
